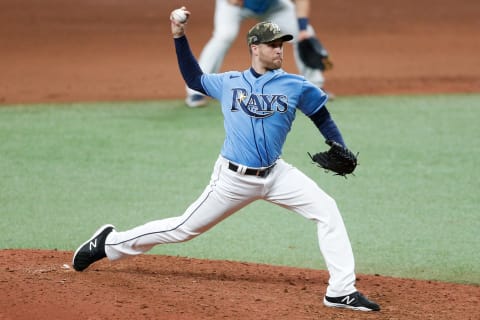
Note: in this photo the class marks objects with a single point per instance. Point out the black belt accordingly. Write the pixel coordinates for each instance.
(252, 172)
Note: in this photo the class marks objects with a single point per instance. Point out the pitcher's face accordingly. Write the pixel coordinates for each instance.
(270, 55)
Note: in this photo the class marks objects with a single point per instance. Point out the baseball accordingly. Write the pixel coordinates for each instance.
(179, 15)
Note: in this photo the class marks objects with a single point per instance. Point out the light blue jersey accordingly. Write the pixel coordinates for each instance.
(258, 112)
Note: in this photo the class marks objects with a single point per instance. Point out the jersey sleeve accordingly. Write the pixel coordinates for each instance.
(213, 83)
(312, 98)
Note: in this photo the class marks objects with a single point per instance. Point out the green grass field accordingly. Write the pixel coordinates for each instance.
(412, 210)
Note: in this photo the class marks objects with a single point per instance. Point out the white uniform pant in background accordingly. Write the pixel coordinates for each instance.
(227, 23)
(228, 192)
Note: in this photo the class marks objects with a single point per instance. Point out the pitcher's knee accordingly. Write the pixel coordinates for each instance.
(326, 210)
(183, 234)
(331, 204)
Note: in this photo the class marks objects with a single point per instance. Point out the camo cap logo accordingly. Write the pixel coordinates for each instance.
(265, 32)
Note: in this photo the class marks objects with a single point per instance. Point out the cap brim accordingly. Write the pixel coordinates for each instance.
(283, 37)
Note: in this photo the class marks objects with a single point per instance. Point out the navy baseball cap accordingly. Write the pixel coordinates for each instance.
(266, 32)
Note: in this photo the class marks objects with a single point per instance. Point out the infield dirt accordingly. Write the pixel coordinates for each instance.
(116, 50)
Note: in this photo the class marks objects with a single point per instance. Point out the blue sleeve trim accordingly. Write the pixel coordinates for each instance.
(327, 126)
(189, 67)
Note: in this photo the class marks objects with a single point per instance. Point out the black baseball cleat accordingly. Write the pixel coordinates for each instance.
(354, 301)
(92, 250)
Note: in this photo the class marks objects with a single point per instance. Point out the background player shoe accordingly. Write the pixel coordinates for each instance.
(92, 250)
(196, 100)
(331, 95)
(354, 301)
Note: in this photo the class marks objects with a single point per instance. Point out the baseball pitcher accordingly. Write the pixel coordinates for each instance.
(259, 105)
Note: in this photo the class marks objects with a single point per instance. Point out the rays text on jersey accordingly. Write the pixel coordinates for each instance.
(258, 105)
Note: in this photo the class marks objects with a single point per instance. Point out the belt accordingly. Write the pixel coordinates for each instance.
(251, 171)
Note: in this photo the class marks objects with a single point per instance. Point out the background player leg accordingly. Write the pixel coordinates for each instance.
(227, 21)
